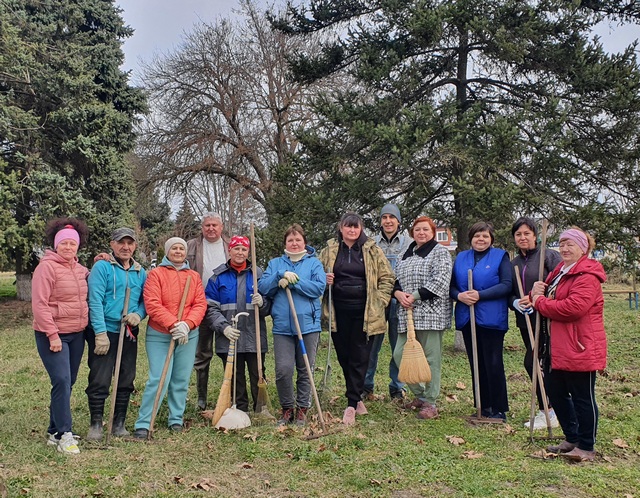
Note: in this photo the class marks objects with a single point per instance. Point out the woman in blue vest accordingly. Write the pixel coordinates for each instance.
(490, 295)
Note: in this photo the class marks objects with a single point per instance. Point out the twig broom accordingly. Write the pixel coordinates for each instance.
(414, 367)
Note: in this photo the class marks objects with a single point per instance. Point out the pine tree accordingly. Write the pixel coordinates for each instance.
(472, 110)
(66, 119)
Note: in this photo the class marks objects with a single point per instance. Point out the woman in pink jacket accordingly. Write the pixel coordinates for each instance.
(60, 315)
(571, 302)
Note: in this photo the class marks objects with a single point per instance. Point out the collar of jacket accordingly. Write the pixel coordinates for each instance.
(529, 252)
(393, 237)
(135, 266)
(422, 251)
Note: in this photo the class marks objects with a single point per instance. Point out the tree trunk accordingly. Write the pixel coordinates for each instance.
(23, 286)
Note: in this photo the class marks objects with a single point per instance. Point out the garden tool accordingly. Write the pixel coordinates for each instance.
(232, 418)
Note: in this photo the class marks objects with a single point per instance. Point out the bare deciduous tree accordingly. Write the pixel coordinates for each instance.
(224, 116)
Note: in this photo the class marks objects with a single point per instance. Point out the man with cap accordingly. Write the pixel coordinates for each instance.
(108, 282)
(205, 253)
(394, 244)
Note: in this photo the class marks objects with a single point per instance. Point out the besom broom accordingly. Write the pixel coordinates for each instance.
(414, 367)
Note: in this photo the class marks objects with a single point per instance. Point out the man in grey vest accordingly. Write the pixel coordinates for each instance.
(394, 244)
(205, 253)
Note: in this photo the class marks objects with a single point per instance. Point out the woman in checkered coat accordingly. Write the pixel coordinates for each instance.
(423, 278)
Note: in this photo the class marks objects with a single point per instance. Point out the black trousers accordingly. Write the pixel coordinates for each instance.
(353, 350)
(101, 370)
(245, 362)
(574, 401)
(492, 379)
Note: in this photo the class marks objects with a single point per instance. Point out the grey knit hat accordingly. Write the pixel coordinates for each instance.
(391, 209)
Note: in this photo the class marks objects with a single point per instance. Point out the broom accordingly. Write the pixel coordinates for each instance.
(414, 367)
(224, 397)
(263, 405)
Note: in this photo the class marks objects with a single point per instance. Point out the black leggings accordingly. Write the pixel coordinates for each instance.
(352, 349)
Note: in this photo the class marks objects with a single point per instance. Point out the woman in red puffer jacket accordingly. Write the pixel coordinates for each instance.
(572, 305)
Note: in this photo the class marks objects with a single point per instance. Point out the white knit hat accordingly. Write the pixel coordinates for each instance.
(172, 241)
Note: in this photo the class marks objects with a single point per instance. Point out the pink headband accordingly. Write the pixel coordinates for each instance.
(238, 240)
(578, 237)
(68, 232)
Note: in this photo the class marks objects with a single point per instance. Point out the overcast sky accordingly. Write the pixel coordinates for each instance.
(160, 24)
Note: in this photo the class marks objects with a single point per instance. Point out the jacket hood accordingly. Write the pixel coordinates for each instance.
(588, 265)
(50, 255)
(166, 262)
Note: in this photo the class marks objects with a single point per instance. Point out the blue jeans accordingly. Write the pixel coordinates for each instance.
(395, 386)
(62, 368)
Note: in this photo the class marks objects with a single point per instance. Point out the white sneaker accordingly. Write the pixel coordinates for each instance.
(540, 421)
(52, 441)
(68, 445)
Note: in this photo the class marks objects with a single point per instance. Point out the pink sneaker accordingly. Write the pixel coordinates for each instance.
(361, 409)
(349, 417)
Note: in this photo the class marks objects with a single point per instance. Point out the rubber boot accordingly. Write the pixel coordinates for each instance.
(96, 409)
(120, 415)
(202, 378)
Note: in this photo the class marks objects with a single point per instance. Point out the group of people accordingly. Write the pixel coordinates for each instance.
(367, 285)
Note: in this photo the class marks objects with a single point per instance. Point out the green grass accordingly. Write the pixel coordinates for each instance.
(7, 285)
(388, 453)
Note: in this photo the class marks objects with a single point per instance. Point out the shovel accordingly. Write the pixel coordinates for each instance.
(232, 418)
(476, 369)
(306, 359)
(116, 370)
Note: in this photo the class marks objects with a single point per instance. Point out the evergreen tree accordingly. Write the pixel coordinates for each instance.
(66, 114)
(473, 110)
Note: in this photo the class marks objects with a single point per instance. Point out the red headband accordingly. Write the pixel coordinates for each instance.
(238, 240)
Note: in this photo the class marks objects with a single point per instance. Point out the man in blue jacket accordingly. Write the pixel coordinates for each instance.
(108, 282)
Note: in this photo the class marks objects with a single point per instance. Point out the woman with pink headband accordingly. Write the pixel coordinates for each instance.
(572, 306)
(60, 315)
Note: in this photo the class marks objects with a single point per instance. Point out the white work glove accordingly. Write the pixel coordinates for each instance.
(102, 344)
(180, 333)
(292, 277)
(132, 319)
(283, 282)
(524, 311)
(256, 300)
(231, 333)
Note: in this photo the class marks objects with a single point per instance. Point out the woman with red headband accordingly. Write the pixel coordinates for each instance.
(60, 315)
(572, 305)
(229, 292)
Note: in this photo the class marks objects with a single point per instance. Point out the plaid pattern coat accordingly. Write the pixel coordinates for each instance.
(433, 273)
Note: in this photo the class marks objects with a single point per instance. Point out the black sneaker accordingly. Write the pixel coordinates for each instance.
(175, 428)
(141, 433)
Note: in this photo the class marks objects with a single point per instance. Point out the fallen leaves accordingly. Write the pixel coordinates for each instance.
(205, 484)
(452, 398)
(620, 443)
(461, 386)
(471, 454)
(455, 440)
(544, 455)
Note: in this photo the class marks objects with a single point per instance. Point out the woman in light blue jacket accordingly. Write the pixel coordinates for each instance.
(301, 271)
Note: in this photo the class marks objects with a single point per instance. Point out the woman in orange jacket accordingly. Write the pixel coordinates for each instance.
(163, 292)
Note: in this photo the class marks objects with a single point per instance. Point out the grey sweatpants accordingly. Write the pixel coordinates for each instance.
(288, 354)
